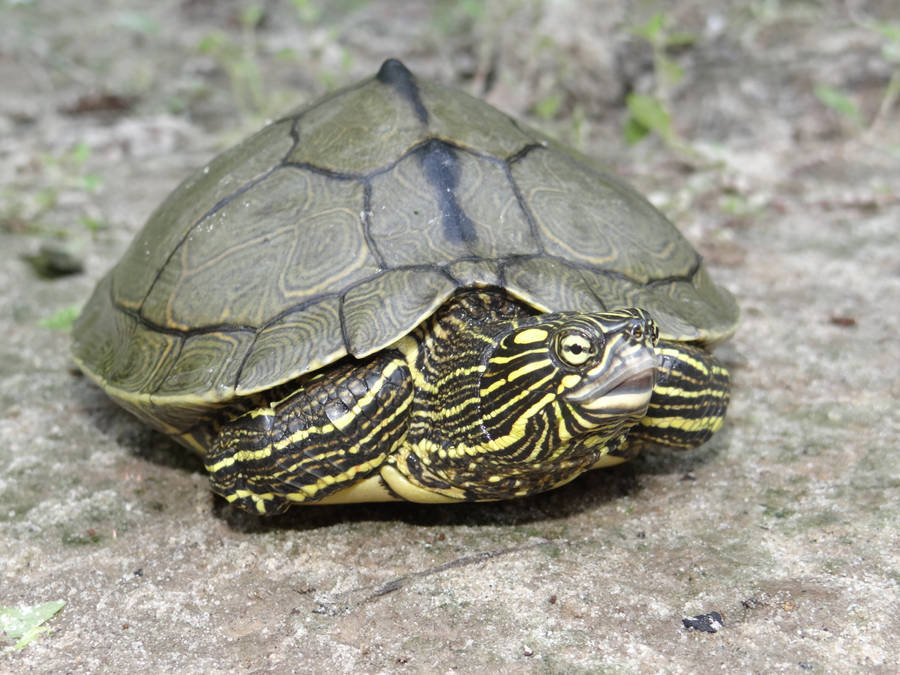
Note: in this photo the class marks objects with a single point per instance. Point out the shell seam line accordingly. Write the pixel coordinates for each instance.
(502, 264)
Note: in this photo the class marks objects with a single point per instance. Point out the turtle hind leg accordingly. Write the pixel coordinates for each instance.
(316, 437)
(689, 400)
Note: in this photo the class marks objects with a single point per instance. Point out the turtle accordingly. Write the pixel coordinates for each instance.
(398, 292)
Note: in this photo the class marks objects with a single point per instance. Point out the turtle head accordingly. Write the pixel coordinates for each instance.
(560, 376)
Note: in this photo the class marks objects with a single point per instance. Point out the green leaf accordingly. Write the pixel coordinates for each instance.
(650, 113)
(46, 198)
(307, 11)
(176, 104)
(839, 102)
(889, 30)
(671, 71)
(211, 43)
(81, 153)
(652, 29)
(474, 9)
(25, 623)
(91, 182)
(547, 107)
(287, 54)
(93, 224)
(251, 16)
(62, 320)
(634, 131)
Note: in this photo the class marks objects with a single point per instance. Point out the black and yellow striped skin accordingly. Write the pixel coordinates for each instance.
(690, 398)
(485, 401)
(331, 431)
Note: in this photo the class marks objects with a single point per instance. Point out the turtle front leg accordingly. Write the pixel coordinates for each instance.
(689, 400)
(313, 437)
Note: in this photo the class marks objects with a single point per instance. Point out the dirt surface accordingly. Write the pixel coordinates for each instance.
(786, 523)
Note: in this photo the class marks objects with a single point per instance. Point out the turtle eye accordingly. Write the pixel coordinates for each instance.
(639, 330)
(574, 347)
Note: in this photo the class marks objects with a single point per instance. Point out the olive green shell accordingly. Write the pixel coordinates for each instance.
(340, 227)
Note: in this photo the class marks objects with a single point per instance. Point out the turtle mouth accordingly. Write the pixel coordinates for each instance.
(626, 382)
(634, 385)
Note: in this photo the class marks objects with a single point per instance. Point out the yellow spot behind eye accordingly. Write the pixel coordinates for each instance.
(530, 336)
(568, 382)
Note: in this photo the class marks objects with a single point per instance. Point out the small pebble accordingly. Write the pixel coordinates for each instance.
(710, 622)
(55, 259)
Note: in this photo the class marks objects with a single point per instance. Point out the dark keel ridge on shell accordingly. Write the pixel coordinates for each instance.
(442, 171)
(395, 74)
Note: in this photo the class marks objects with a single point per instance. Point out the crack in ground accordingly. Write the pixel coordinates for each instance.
(342, 604)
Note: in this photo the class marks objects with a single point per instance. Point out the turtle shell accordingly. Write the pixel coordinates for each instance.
(340, 227)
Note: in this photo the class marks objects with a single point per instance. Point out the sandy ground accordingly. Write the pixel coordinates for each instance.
(786, 524)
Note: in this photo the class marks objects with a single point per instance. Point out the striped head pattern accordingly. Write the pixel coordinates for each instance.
(557, 377)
